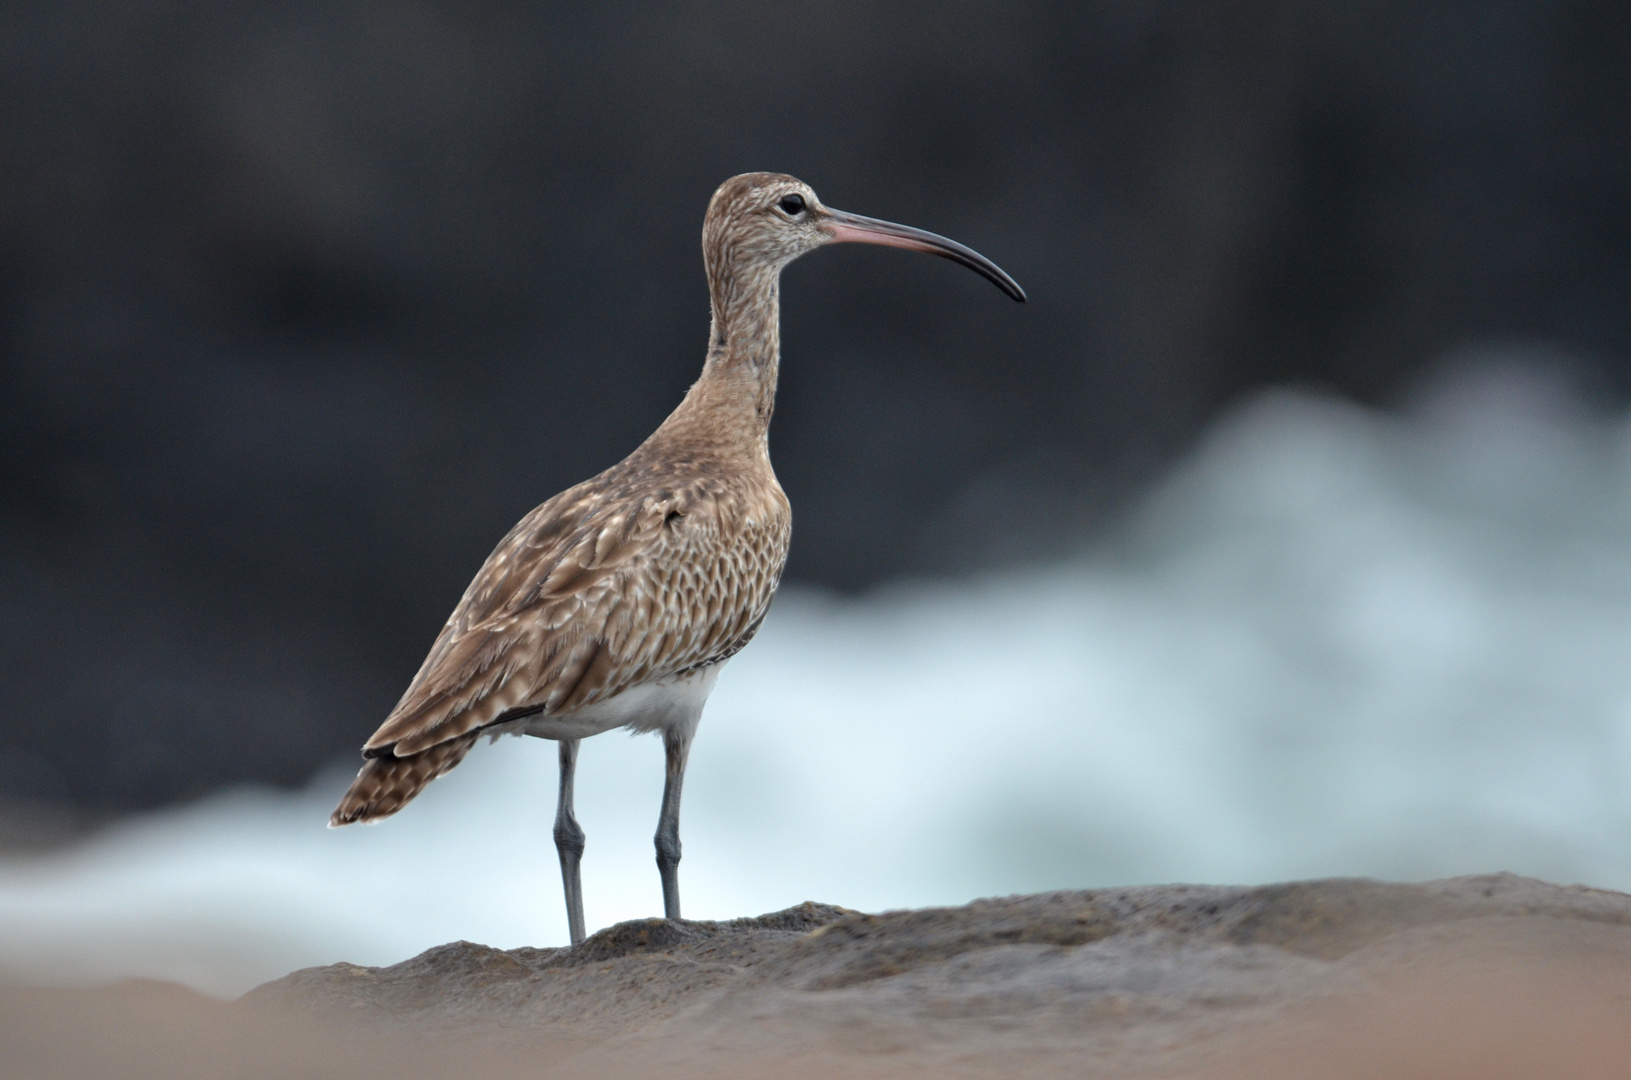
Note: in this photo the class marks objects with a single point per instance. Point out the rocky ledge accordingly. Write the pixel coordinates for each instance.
(1488, 976)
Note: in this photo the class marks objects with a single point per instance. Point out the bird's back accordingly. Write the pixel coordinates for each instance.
(663, 564)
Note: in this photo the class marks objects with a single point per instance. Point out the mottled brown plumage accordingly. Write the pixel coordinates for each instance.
(614, 603)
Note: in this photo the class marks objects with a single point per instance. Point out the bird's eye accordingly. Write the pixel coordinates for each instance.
(792, 205)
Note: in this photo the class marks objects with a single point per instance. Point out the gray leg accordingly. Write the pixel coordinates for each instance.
(677, 744)
(569, 842)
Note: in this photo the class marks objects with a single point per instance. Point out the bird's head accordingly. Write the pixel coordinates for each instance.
(757, 223)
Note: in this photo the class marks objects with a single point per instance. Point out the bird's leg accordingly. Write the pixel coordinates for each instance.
(677, 744)
(569, 842)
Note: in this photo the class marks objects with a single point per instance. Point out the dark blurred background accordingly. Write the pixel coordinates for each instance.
(302, 305)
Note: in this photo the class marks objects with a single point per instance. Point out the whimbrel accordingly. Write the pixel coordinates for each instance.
(617, 602)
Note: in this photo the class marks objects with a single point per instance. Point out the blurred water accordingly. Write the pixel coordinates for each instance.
(1334, 641)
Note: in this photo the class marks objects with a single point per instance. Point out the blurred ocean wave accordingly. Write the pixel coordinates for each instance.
(1334, 641)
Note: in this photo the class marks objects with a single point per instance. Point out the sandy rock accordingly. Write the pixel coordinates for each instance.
(1169, 980)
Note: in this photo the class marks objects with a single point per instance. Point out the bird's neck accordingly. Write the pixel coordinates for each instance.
(732, 402)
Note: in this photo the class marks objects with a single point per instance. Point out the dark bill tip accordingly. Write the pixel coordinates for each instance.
(855, 229)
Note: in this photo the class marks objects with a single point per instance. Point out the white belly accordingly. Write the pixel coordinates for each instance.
(673, 702)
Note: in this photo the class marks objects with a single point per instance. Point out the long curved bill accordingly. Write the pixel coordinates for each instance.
(855, 229)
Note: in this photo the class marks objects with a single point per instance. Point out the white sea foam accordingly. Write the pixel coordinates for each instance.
(1334, 641)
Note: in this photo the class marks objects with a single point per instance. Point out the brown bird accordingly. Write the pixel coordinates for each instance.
(617, 602)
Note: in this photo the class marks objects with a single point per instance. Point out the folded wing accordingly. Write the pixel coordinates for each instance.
(587, 596)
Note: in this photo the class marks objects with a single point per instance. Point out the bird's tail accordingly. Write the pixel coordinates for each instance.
(386, 784)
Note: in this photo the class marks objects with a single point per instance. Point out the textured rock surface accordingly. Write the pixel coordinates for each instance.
(1159, 980)
(1489, 978)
